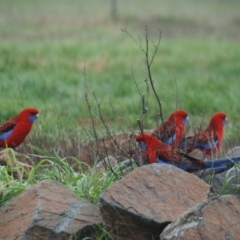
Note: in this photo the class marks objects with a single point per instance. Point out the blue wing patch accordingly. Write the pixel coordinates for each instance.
(142, 145)
(171, 139)
(5, 135)
(207, 146)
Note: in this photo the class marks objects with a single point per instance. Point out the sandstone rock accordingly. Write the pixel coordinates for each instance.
(234, 152)
(196, 153)
(47, 210)
(20, 164)
(214, 219)
(140, 205)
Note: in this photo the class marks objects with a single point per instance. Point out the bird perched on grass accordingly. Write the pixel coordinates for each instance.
(210, 139)
(14, 131)
(172, 130)
(156, 151)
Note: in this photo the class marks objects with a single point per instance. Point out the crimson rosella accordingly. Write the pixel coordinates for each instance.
(14, 131)
(172, 130)
(210, 139)
(155, 151)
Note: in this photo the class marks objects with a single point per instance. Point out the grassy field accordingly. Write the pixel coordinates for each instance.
(46, 45)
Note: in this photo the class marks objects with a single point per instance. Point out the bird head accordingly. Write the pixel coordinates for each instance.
(148, 141)
(180, 116)
(218, 120)
(30, 114)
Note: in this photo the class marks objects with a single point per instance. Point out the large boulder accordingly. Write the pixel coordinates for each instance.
(48, 210)
(140, 205)
(217, 218)
(234, 152)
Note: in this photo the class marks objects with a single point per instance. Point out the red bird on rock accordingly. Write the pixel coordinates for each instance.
(155, 151)
(209, 140)
(172, 131)
(14, 131)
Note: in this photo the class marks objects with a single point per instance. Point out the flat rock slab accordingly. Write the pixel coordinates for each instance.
(47, 210)
(217, 218)
(140, 205)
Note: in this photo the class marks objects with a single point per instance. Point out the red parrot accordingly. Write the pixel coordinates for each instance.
(209, 140)
(158, 152)
(155, 151)
(14, 131)
(173, 129)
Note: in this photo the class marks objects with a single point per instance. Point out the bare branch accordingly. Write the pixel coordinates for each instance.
(148, 61)
(139, 44)
(88, 104)
(177, 97)
(148, 64)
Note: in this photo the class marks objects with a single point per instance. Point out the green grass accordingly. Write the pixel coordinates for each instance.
(196, 75)
(87, 183)
(45, 47)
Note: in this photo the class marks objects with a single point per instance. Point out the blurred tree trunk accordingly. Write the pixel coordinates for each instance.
(113, 10)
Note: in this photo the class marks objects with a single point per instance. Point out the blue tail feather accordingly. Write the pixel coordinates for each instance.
(219, 164)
